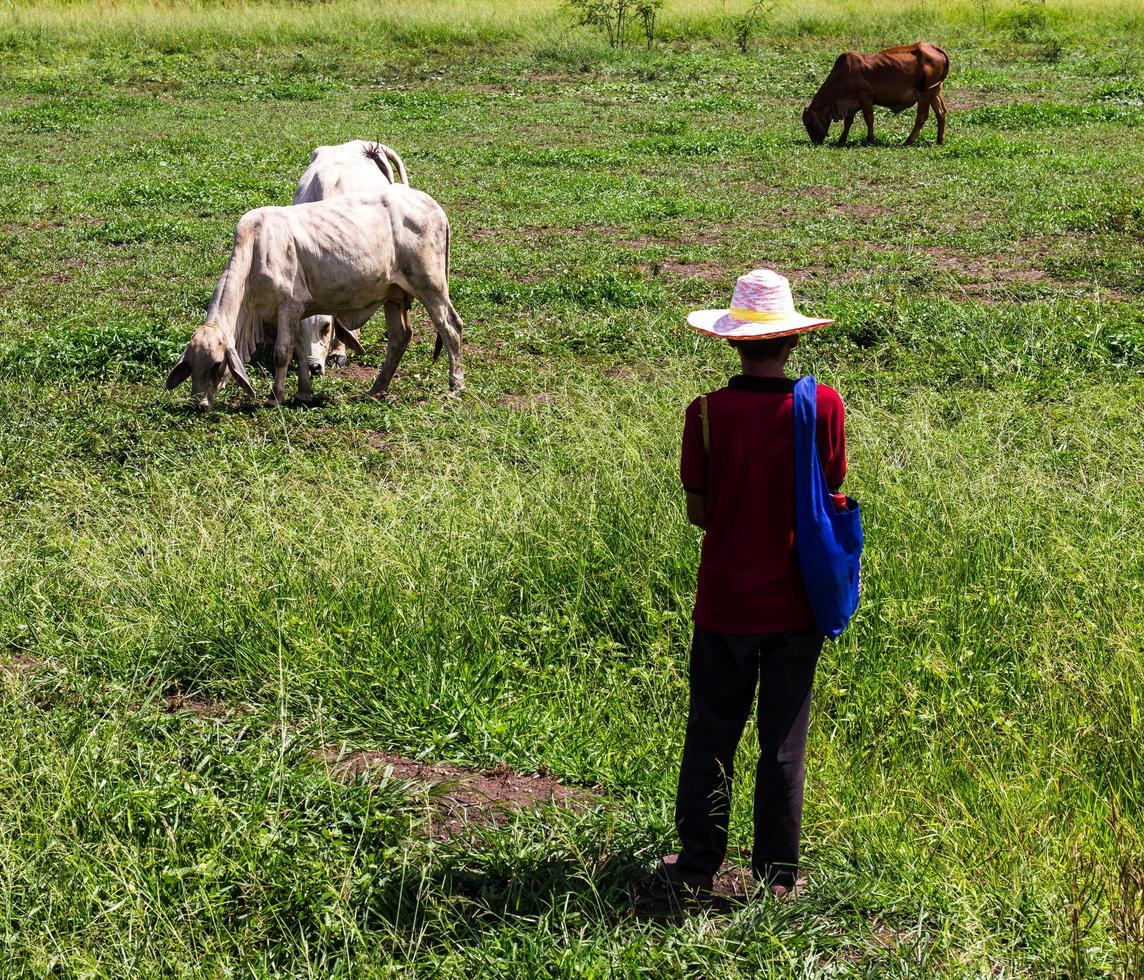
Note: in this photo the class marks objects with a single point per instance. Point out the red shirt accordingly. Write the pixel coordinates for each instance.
(749, 580)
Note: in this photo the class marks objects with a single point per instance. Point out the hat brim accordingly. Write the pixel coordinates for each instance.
(720, 323)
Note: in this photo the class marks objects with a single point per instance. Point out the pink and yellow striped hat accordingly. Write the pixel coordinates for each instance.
(761, 307)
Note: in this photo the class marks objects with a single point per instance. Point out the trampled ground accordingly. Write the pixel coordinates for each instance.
(201, 616)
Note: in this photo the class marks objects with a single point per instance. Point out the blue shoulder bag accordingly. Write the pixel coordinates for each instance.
(828, 541)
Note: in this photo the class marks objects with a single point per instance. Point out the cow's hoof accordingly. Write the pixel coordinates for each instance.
(273, 402)
(339, 361)
(305, 401)
(375, 396)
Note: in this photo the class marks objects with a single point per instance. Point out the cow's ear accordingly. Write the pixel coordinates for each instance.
(234, 362)
(347, 338)
(179, 373)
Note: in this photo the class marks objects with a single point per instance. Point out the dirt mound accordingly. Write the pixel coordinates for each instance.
(463, 797)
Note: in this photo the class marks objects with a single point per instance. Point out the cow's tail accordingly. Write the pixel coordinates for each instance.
(944, 70)
(437, 347)
(376, 153)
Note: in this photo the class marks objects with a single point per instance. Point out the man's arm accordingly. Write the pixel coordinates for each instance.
(697, 509)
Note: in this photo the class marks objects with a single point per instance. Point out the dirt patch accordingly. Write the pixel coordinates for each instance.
(984, 272)
(862, 210)
(376, 439)
(177, 698)
(17, 663)
(463, 797)
(688, 270)
(521, 402)
(355, 372)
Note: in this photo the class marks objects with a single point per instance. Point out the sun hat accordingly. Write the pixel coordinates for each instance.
(761, 307)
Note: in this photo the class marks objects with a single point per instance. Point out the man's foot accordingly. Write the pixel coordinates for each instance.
(668, 891)
(786, 891)
(686, 881)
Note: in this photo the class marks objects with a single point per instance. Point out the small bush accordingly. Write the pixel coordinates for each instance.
(746, 25)
(617, 17)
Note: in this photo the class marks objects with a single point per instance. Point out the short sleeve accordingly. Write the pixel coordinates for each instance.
(693, 457)
(831, 434)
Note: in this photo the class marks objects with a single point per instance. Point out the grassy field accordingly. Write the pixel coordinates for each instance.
(195, 611)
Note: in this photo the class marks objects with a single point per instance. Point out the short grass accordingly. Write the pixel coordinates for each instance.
(508, 578)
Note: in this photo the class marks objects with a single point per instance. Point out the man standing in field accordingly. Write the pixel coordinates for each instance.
(753, 622)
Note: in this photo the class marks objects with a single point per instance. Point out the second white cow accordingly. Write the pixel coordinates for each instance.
(347, 257)
(356, 167)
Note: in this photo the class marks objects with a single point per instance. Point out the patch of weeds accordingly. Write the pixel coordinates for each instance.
(70, 112)
(129, 351)
(419, 103)
(1051, 115)
(1121, 92)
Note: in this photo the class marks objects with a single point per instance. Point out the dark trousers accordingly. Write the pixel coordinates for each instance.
(725, 671)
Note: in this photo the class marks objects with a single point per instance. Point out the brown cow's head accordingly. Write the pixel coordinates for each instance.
(817, 123)
(206, 361)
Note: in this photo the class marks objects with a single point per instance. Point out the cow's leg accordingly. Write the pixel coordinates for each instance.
(939, 111)
(449, 329)
(867, 106)
(337, 355)
(846, 126)
(919, 121)
(398, 333)
(302, 346)
(283, 347)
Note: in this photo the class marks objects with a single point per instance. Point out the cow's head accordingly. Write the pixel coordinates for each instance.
(321, 340)
(208, 359)
(326, 331)
(817, 123)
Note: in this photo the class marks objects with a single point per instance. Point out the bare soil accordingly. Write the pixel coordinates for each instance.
(710, 271)
(16, 663)
(177, 698)
(463, 798)
(355, 372)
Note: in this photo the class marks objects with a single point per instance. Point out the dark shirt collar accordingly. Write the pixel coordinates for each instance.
(744, 382)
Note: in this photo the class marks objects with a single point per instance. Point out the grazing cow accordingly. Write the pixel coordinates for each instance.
(346, 257)
(356, 167)
(896, 78)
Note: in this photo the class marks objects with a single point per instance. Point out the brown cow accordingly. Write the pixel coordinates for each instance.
(896, 78)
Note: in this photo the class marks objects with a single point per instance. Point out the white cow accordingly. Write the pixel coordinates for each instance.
(356, 167)
(345, 257)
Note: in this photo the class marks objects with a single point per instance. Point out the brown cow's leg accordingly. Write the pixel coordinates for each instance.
(846, 126)
(868, 115)
(399, 334)
(923, 115)
(939, 111)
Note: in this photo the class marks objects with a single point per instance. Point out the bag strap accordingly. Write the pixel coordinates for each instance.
(806, 423)
(706, 422)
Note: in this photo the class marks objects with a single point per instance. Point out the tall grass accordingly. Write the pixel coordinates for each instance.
(203, 23)
(508, 578)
